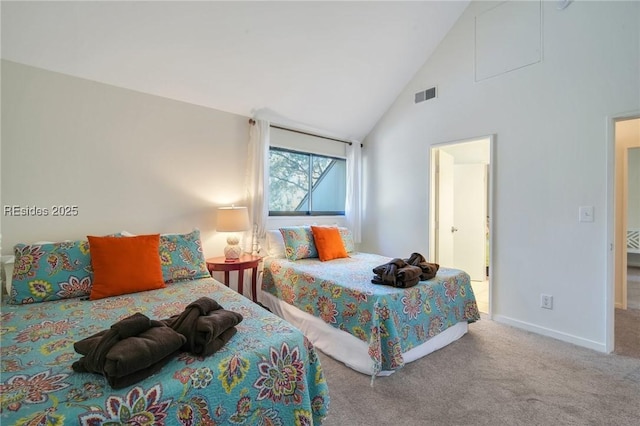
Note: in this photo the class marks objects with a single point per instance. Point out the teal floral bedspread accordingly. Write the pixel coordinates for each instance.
(267, 374)
(391, 320)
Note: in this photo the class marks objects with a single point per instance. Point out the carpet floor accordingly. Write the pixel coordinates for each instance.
(494, 375)
(627, 333)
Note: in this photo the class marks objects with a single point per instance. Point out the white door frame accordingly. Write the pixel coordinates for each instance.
(610, 293)
(490, 207)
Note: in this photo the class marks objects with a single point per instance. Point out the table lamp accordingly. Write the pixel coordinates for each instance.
(232, 219)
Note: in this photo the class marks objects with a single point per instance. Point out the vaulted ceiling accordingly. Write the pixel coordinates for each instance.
(331, 66)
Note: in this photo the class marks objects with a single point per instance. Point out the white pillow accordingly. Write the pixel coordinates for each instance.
(275, 244)
(129, 234)
(7, 263)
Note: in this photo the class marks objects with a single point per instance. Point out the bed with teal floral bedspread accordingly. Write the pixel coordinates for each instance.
(268, 373)
(390, 320)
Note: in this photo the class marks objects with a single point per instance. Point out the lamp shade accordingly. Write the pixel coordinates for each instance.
(233, 219)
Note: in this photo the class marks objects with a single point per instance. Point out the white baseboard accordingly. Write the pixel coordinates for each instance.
(569, 338)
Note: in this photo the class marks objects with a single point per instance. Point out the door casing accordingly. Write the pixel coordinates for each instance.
(613, 240)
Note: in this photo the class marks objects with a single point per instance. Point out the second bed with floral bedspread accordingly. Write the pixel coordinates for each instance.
(390, 320)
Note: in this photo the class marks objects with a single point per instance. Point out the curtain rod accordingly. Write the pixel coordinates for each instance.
(252, 122)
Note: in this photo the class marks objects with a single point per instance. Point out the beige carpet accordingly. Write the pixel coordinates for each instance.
(495, 375)
(633, 288)
(627, 333)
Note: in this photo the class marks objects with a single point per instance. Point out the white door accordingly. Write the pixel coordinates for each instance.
(458, 207)
(445, 209)
(470, 219)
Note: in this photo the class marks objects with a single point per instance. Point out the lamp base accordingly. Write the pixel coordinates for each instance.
(232, 251)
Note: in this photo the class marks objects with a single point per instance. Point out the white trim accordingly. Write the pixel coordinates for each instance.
(569, 338)
(491, 210)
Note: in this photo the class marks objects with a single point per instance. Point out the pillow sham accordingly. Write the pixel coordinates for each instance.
(328, 241)
(125, 265)
(182, 258)
(50, 271)
(298, 242)
(347, 239)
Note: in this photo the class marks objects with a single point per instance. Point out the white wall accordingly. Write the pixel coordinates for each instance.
(551, 149)
(129, 161)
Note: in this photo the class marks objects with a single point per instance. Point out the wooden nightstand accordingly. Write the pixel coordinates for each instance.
(246, 261)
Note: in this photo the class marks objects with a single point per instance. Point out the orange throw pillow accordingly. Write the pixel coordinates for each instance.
(124, 265)
(328, 242)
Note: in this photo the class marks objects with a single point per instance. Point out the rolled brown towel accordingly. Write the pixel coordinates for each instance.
(203, 323)
(215, 330)
(397, 273)
(429, 270)
(387, 273)
(408, 276)
(415, 258)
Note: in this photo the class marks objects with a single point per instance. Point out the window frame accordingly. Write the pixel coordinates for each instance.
(309, 212)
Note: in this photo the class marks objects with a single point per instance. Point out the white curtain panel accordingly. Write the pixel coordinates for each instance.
(353, 205)
(258, 180)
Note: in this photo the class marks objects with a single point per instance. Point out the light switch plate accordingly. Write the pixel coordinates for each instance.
(585, 214)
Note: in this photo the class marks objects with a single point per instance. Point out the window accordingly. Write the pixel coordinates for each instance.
(302, 183)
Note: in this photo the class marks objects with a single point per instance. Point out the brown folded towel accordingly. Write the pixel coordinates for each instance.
(429, 270)
(185, 322)
(132, 349)
(408, 276)
(388, 272)
(137, 347)
(215, 330)
(138, 352)
(415, 258)
(206, 326)
(397, 273)
(402, 272)
(135, 377)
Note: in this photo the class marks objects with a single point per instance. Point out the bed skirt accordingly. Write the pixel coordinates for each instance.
(346, 348)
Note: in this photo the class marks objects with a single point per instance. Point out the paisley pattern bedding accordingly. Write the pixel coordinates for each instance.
(267, 374)
(391, 320)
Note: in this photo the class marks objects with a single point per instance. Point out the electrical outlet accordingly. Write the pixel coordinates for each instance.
(546, 301)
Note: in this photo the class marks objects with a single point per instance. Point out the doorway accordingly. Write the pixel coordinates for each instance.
(626, 219)
(461, 211)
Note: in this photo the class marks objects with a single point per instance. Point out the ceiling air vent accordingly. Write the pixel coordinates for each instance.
(425, 95)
